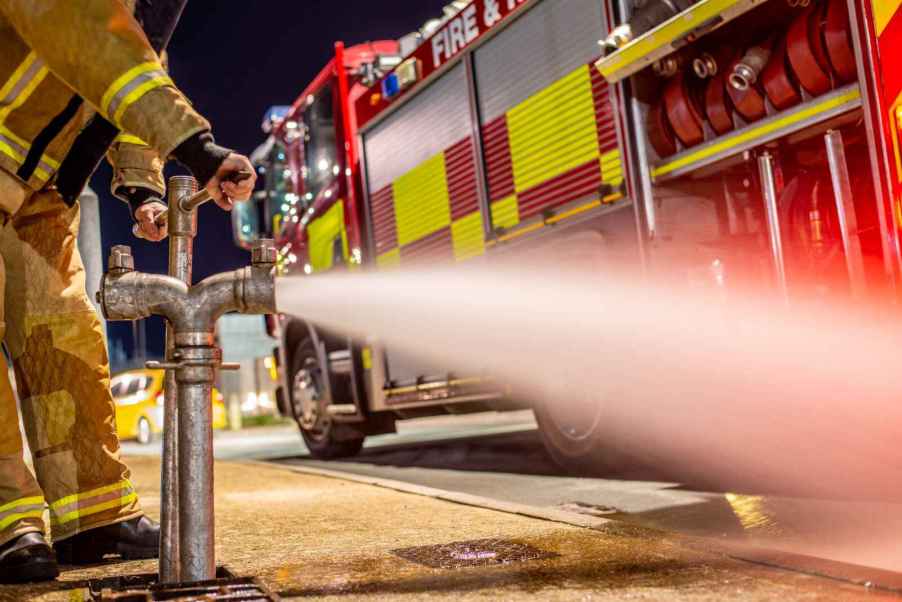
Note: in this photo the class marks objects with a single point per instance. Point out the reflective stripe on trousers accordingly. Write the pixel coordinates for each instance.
(79, 506)
(22, 508)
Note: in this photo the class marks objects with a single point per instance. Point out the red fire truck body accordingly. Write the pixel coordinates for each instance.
(729, 144)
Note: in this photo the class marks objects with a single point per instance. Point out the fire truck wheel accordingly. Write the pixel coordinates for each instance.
(308, 401)
(573, 435)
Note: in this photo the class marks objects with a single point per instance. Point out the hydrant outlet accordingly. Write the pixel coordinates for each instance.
(121, 259)
(264, 252)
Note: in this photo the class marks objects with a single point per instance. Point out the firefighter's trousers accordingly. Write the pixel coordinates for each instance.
(54, 338)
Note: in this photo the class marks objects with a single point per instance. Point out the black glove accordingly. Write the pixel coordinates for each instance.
(201, 155)
(136, 196)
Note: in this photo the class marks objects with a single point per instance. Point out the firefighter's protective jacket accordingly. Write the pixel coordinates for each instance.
(60, 60)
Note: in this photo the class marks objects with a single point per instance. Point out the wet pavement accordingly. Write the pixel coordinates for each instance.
(310, 536)
(515, 468)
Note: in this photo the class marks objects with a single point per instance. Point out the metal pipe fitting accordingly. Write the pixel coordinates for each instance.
(136, 295)
(774, 227)
(264, 252)
(121, 259)
(704, 65)
(746, 71)
(647, 15)
(182, 230)
(195, 379)
(667, 66)
(619, 37)
(187, 550)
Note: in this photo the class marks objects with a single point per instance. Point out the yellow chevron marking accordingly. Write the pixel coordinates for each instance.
(612, 168)
(322, 233)
(468, 236)
(883, 13)
(389, 259)
(553, 131)
(421, 201)
(505, 213)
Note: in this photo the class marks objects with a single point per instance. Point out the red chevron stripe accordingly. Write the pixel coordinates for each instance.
(433, 248)
(890, 45)
(579, 182)
(460, 169)
(385, 231)
(498, 160)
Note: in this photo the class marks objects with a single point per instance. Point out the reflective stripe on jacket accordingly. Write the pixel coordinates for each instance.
(61, 60)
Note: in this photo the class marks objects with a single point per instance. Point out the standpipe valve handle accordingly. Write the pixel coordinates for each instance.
(193, 202)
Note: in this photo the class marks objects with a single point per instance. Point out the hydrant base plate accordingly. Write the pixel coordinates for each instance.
(146, 588)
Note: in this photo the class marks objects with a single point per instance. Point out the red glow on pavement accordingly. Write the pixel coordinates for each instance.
(745, 396)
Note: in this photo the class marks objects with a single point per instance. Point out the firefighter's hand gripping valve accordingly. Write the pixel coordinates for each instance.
(188, 203)
(191, 311)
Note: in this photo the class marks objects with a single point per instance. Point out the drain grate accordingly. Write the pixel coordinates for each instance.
(478, 552)
(144, 588)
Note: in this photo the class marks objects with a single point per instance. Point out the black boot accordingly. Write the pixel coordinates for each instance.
(27, 558)
(133, 539)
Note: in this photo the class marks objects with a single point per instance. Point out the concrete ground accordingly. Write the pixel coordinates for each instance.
(500, 456)
(514, 467)
(312, 536)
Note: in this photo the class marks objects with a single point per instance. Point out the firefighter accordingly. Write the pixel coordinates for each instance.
(62, 61)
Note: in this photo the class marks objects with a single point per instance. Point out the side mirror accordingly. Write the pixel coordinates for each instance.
(246, 223)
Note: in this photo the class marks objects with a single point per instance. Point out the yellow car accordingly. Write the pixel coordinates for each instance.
(139, 405)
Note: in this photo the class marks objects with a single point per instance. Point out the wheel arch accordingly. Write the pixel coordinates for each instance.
(296, 331)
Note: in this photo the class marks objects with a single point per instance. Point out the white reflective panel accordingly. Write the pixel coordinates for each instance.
(435, 119)
(550, 41)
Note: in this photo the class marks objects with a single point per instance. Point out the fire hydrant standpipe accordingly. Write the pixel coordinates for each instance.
(192, 358)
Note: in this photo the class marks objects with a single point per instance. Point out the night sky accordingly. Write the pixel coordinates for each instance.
(234, 61)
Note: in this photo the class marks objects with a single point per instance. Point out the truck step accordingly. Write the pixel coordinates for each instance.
(342, 409)
(340, 362)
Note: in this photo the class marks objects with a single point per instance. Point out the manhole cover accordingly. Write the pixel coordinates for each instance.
(478, 552)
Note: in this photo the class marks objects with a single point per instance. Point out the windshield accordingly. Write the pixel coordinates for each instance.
(280, 194)
(320, 151)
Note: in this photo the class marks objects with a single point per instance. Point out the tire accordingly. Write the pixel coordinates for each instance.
(145, 431)
(308, 402)
(574, 437)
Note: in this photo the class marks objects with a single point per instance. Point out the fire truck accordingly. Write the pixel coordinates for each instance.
(727, 144)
